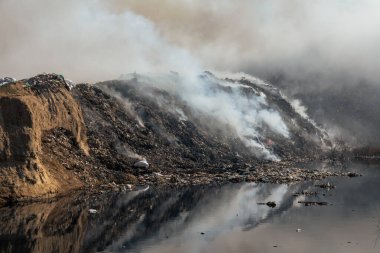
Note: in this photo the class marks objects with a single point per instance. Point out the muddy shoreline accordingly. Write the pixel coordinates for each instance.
(283, 172)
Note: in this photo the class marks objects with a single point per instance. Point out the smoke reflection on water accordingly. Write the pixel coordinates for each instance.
(235, 208)
(202, 219)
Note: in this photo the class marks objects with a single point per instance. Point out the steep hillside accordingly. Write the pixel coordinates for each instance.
(29, 110)
(54, 139)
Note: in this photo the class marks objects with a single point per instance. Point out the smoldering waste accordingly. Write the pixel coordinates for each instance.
(57, 136)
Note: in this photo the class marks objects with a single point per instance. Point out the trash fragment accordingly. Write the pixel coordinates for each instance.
(313, 203)
(92, 211)
(157, 174)
(353, 174)
(271, 204)
(6, 80)
(326, 186)
(141, 164)
(306, 193)
(298, 230)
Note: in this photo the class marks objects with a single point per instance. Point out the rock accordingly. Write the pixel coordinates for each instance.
(141, 164)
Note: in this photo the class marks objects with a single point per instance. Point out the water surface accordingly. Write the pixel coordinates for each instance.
(204, 219)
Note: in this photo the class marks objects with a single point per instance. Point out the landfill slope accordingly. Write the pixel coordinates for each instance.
(55, 137)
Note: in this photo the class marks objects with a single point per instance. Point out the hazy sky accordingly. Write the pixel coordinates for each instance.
(92, 40)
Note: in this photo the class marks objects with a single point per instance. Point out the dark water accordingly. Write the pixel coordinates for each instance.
(204, 219)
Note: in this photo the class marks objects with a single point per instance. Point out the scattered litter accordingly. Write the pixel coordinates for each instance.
(92, 211)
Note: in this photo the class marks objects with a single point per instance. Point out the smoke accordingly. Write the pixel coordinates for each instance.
(297, 37)
(221, 104)
(83, 40)
(94, 40)
(307, 47)
(326, 50)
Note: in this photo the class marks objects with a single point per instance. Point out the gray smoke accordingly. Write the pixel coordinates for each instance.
(310, 48)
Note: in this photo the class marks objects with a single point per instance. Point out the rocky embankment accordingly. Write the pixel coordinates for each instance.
(54, 139)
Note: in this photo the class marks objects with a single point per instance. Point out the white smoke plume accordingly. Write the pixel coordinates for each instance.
(315, 44)
(93, 40)
(82, 40)
(242, 114)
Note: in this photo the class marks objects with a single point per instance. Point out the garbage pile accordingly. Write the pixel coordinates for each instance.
(45, 82)
(6, 80)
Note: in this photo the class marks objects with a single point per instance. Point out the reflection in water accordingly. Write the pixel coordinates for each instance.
(132, 220)
(200, 219)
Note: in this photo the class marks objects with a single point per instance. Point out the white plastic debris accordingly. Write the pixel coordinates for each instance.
(6, 80)
(141, 164)
(92, 211)
(70, 83)
(157, 174)
(298, 230)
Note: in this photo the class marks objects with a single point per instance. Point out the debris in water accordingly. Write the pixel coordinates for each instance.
(353, 174)
(271, 204)
(298, 230)
(326, 186)
(313, 203)
(306, 193)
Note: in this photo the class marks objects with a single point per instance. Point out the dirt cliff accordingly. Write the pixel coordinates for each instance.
(29, 109)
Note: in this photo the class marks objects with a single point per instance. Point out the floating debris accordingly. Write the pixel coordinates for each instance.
(353, 174)
(271, 204)
(305, 193)
(326, 186)
(313, 203)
